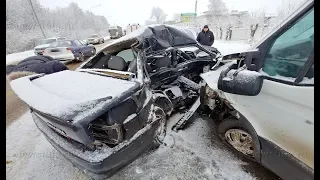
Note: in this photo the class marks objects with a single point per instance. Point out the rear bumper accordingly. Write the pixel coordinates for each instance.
(103, 163)
(64, 58)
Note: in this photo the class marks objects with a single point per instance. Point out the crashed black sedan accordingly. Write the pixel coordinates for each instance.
(114, 106)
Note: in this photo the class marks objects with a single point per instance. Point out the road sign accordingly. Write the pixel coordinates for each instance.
(186, 17)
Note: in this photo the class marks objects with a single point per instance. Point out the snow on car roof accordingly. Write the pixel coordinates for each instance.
(68, 94)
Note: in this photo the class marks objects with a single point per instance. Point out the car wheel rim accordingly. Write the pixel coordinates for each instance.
(241, 141)
(161, 131)
(81, 58)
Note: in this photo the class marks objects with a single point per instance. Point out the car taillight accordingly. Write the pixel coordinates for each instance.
(68, 49)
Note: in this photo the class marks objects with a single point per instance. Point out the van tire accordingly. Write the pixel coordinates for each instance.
(231, 125)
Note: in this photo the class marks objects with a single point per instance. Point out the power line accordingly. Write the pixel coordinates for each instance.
(37, 19)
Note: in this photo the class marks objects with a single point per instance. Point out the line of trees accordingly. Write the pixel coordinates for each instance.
(22, 30)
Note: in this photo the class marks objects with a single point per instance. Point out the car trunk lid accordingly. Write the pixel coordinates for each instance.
(59, 53)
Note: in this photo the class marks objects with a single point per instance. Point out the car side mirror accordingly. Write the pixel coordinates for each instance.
(240, 82)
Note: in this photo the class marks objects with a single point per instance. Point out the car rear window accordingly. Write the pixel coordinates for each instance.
(45, 41)
(61, 44)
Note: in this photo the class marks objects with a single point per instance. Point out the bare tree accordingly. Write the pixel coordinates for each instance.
(253, 29)
(217, 12)
(158, 15)
(287, 7)
(70, 21)
(217, 7)
(148, 22)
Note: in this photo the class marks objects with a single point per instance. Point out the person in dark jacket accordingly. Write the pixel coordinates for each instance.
(34, 65)
(205, 37)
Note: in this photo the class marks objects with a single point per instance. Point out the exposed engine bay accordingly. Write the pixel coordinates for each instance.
(174, 75)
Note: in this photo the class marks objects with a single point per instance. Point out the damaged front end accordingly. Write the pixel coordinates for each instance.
(94, 131)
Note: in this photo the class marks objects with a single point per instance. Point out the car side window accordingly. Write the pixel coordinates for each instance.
(291, 50)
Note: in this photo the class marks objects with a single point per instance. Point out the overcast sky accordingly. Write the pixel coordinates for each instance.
(124, 12)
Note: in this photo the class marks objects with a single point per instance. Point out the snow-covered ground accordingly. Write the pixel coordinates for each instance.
(194, 153)
(16, 57)
(229, 47)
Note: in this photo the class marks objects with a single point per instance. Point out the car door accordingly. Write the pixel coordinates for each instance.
(82, 47)
(283, 112)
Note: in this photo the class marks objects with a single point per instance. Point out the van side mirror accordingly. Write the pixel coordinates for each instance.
(240, 82)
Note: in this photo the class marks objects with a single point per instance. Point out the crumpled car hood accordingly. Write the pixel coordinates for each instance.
(71, 95)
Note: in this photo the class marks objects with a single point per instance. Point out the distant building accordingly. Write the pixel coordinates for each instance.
(170, 22)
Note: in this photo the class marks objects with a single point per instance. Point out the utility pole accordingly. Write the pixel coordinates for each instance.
(195, 7)
(37, 19)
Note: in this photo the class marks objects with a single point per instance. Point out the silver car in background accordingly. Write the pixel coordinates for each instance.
(95, 39)
(42, 44)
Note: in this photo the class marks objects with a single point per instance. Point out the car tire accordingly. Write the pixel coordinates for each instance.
(162, 129)
(81, 57)
(102, 41)
(239, 138)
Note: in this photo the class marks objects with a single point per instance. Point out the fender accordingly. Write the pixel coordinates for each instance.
(246, 122)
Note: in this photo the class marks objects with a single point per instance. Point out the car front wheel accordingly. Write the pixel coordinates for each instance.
(238, 137)
(81, 57)
(160, 133)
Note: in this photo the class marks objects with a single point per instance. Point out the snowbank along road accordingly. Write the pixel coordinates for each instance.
(14, 106)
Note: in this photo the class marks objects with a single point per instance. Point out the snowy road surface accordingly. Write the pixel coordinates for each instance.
(229, 47)
(195, 153)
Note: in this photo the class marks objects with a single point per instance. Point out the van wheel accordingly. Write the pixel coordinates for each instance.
(238, 137)
(162, 129)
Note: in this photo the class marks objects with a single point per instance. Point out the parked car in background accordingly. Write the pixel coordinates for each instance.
(42, 44)
(69, 50)
(264, 101)
(95, 39)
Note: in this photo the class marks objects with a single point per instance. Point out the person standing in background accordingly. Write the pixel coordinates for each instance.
(205, 37)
